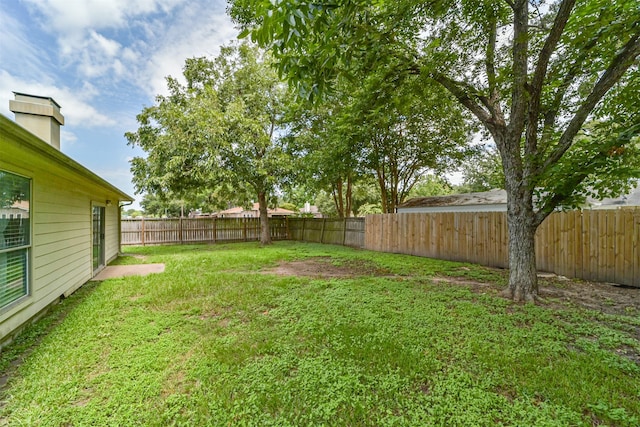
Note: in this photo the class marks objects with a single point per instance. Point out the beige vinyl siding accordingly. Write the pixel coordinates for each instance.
(61, 252)
(112, 232)
(61, 235)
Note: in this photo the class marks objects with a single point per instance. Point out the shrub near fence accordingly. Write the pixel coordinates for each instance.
(197, 230)
(599, 245)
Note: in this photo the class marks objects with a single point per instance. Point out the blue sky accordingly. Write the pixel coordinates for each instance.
(103, 61)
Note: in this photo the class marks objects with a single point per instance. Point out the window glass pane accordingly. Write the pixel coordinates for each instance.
(15, 200)
(13, 276)
(15, 237)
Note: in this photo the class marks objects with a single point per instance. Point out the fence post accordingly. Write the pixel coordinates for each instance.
(214, 236)
(302, 235)
(287, 231)
(180, 230)
(142, 232)
(244, 228)
(324, 221)
(344, 231)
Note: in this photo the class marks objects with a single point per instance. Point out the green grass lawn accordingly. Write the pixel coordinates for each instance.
(215, 341)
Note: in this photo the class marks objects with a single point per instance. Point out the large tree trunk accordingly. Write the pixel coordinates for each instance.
(521, 220)
(265, 233)
(337, 198)
(384, 196)
(349, 197)
(523, 277)
(524, 160)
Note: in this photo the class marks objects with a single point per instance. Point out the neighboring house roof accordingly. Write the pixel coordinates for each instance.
(19, 205)
(12, 130)
(255, 208)
(492, 197)
(630, 199)
(499, 197)
(280, 211)
(235, 210)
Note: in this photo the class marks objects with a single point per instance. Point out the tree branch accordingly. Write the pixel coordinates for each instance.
(462, 92)
(552, 112)
(519, 98)
(490, 60)
(559, 197)
(617, 68)
(492, 103)
(535, 88)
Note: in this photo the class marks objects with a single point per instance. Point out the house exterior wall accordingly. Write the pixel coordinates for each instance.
(112, 231)
(243, 214)
(60, 258)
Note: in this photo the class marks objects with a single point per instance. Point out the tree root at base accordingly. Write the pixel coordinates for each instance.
(516, 295)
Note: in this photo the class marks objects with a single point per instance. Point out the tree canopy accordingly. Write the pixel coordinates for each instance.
(374, 129)
(532, 73)
(482, 171)
(220, 128)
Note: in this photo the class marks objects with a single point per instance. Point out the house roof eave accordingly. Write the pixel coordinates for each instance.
(26, 138)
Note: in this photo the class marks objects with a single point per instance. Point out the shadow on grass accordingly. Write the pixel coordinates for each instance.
(26, 341)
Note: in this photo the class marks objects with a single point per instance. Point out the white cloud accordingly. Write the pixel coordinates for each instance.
(191, 34)
(79, 27)
(129, 55)
(141, 41)
(88, 90)
(76, 106)
(76, 16)
(67, 139)
(118, 67)
(105, 46)
(105, 52)
(16, 47)
(94, 55)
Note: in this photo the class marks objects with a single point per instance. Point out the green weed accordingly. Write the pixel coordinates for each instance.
(215, 341)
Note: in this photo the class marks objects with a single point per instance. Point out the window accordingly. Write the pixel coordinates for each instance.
(15, 236)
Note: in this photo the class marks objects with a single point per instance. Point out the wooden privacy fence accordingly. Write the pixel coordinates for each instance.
(346, 232)
(598, 245)
(197, 230)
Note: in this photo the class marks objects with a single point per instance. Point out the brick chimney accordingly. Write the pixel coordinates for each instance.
(40, 115)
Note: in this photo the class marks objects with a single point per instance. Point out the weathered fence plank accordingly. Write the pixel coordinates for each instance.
(197, 230)
(599, 245)
(346, 231)
(591, 245)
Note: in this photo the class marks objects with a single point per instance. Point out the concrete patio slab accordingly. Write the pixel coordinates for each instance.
(116, 271)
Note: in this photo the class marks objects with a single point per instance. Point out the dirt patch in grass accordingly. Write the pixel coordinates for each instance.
(554, 290)
(604, 297)
(325, 267)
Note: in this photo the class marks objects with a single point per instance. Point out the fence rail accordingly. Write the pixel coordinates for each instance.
(599, 245)
(197, 230)
(346, 232)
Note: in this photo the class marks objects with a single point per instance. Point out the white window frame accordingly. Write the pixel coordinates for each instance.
(26, 248)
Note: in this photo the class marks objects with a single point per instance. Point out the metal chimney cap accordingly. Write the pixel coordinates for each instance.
(36, 96)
